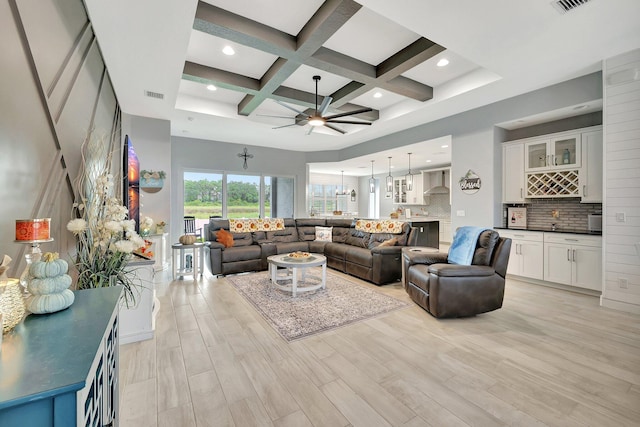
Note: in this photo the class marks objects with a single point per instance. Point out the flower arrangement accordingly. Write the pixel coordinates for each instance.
(105, 237)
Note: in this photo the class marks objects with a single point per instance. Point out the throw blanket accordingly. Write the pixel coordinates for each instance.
(379, 226)
(464, 245)
(257, 224)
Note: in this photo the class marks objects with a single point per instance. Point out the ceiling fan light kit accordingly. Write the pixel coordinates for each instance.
(318, 118)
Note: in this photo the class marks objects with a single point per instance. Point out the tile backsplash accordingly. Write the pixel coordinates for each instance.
(571, 214)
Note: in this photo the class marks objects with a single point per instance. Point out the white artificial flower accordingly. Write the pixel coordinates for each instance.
(147, 222)
(137, 241)
(77, 226)
(129, 225)
(125, 246)
(113, 226)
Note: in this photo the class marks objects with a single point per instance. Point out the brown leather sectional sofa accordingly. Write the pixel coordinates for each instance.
(351, 251)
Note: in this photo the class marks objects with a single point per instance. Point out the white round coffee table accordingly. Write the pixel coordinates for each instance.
(290, 267)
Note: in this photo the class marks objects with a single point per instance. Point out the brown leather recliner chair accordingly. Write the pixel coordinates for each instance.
(451, 290)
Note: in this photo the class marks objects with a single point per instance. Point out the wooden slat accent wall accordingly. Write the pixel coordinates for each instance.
(621, 189)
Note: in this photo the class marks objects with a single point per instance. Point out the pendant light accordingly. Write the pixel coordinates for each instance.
(353, 195)
(341, 190)
(372, 180)
(389, 182)
(408, 179)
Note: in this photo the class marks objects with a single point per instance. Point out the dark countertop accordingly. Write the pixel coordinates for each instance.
(557, 230)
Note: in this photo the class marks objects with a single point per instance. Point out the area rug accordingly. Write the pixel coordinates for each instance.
(343, 302)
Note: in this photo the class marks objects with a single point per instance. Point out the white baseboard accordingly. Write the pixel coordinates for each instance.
(619, 305)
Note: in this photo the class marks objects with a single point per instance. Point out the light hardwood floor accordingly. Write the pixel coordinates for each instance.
(548, 357)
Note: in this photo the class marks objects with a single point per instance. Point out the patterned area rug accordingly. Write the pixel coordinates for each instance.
(343, 302)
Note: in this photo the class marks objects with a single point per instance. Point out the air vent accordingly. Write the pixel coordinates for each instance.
(153, 94)
(564, 6)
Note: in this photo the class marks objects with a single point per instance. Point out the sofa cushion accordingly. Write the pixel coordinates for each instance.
(224, 237)
(357, 238)
(242, 253)
(341, 228)
(286, 247)
(360, 256)
(391, 242)
(289, 234)
(323, 234)
(336, 250)
(484, 248)
(242, 239)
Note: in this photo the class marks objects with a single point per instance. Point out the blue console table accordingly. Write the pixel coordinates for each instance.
(61, 369)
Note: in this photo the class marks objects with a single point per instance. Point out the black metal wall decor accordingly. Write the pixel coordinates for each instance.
(245, 155)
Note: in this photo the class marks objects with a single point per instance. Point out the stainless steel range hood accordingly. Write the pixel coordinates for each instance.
(440, 189)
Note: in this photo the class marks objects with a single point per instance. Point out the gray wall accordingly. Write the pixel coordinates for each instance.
(151, 139)
(476, 143)
(189, 154)
(54, 88)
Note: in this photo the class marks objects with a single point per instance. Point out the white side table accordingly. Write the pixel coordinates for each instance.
(178, 258)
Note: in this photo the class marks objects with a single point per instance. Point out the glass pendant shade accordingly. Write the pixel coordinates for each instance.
(408, 179)
(372, 180)
(389, 180)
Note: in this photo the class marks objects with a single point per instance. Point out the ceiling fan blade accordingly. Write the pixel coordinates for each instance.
(349, 113)
(337, 129)
(290, 108)
(278, 117)
(285, 126)
(310, 130)
(349, 122)
(325, 105)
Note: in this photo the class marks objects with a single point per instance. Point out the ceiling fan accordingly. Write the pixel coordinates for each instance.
(318, 118)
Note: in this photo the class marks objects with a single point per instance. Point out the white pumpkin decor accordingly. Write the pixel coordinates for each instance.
(48, 285)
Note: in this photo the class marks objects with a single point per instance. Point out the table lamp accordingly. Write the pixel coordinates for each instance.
(32, 232)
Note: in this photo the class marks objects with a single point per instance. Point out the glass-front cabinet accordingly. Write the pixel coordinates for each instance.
(399, 191)
(556, 153)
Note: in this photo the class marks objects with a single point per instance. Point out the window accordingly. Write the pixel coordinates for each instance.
(324, 200)
(237, 196)
(243, 196)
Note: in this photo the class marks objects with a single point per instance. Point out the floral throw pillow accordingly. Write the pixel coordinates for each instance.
(323, 234)
(379, 226)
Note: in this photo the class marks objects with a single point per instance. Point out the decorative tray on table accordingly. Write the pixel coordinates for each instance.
(299, 255)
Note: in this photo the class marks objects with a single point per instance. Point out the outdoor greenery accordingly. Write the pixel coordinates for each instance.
(203, 198)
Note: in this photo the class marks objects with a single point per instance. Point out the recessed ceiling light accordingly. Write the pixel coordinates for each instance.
(228, 50)
(444, 146)
(580, 107)
(212, 87)
(377, 95)
(443, 62)
(428, 161)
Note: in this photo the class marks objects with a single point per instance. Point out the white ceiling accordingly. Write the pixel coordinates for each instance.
(496, 48)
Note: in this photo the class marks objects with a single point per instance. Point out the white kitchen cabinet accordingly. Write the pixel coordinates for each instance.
(527, 253)
(399, 191)
(445, 231)
(591, 172)
(415, 195)
(574, 260)
(561, 151)
(513, 173)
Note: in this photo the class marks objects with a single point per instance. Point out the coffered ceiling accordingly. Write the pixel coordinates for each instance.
(376, 54)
